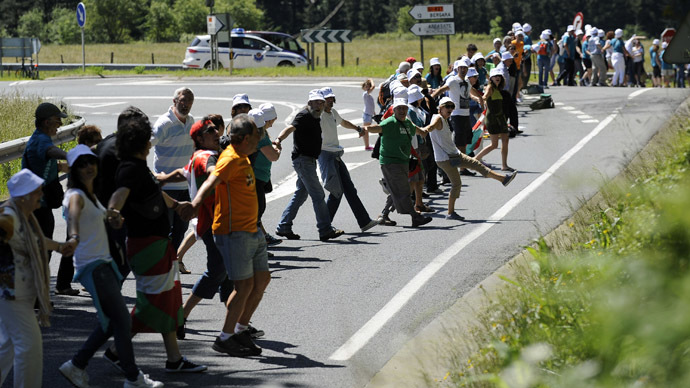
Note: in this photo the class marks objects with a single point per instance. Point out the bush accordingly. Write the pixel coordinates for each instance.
(190, 16)
(244, 13)
(63, 27)
(496, 29)
(32, 25)
(405, 21)
(160, 22)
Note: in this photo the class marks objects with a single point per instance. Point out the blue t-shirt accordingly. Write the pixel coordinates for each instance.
(585, 46)
(35, 158)
(617, 45)
(664, 65)
(653, 55)
(569, 43)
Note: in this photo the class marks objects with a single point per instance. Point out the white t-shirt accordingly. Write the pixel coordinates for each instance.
(442, 141)
(93, 239)
(459, 92)
(23, 273)
(368, 103)
(329, 131)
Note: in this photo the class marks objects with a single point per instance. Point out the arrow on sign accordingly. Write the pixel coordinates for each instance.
(327, 36)
(214, 25)
(81, 14)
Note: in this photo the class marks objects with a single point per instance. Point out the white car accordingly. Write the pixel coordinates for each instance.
(248, 51)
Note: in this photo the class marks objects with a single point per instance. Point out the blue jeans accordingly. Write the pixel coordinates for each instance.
(308, 184)
(543, 64)
(338, 168)
(213, 279)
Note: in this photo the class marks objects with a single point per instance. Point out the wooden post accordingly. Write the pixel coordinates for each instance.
(112, 56)
(317, 61)
(421, 47)
(152, 61)
(308, 56)
(342, 54)
(313, 53)
(448, 49)
(357, 61)
(325, 49)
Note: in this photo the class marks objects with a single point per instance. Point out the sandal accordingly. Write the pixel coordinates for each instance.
(183, 269)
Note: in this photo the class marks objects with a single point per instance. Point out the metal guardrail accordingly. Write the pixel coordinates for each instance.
(14, 149)
(106, 66)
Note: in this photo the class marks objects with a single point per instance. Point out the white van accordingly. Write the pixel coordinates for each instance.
(248, 50)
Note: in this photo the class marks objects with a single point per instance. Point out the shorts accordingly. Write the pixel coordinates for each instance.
(462, 131)
(366, 118)
(244, 253)
(656, 71)
(587, 62)
(668, 73)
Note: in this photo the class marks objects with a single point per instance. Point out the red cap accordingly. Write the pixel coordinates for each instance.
(410, 60)
(198, 127)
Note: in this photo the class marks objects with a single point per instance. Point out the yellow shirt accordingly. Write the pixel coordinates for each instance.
(236, 206)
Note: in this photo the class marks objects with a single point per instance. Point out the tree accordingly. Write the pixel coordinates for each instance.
(160, 22)
(405, 21)
(190, 16)
(496, 29)
(32, 25)
(244, 13)
(115, 21)
(63, 28)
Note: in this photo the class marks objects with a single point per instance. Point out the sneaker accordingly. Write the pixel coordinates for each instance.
(255, 333)
(244, 338)
(113, 359)
(181, 330)
(143, 381)
(67, 291)
(423, 209)
(384, 220)
(333, 233)
(183, 366)
(455, 217)
(420, 221)
(509, 169)
(77, 376)
(384, 187)
(230, 347)
(370, 225)
(435, 191)
(271, 241)
(509, 178)
(288, 235)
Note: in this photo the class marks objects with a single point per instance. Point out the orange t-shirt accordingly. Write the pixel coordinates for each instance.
(236, 208)
(519, 49)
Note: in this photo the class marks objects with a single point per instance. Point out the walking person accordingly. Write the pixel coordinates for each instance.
(97, 272)
(24, 281)
(656, 63)
(306, 149)
(496, 119)
(569, 56)
(596, 52)
(543, 50)
(618, 57)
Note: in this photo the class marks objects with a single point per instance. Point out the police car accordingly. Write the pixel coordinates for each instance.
(248, 51)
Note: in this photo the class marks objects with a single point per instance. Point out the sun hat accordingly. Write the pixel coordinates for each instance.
(664, 45)
(477, 57)
(471, 72)
(240, 99)
(506, 55)
(527, 27)
(434, 61)
(519, 32)
(78, 151)
(548, 31)
(327, 92)
(516, 25)
(414, 93)
(655, 41)
(47, 110)
(269, 111)
(464, 61)
(413, 73)
(570, 28)
(400, 77)
(494, 72)
(619, 33)
(445, 101)
(257, 116)
(544, 35)
(404, 66)
(602, 33)
(417, 65)
(23, 183)
(594, 32)
(400, 98)
(579, 32)
(315, 95)
(497, 40)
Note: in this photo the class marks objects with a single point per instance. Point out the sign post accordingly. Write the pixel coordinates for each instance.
(325, 37)
(81, 21)
(433, 11)
(214, 25)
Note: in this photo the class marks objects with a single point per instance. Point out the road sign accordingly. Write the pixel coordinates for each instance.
(668, 34)
(429, 29)
(432, 11)
(213, 24)
(326, 36)
(81, 15)
(578, 21)
(223, 35)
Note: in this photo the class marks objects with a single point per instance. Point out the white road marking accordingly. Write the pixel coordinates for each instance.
(581, 117)
(558, 103)
(345, 111)
(590, 121)
(100, 104)
(348, 136)
(169, 82)
(369, 330)
(568, 108)
(576, 112)
(637, 93)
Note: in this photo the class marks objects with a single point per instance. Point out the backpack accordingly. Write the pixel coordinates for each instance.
(384, 92)
(545, 102)
(543, 48)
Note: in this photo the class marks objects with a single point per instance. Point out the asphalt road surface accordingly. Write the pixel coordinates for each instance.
(336, 312)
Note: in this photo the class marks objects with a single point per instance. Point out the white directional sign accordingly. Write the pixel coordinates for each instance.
(81, 15)
(432, 11)
(213, 24)
(428, 29)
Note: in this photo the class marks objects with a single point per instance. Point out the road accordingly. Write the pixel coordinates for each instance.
(336, 312)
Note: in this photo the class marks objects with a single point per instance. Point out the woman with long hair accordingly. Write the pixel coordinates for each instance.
(496, 119)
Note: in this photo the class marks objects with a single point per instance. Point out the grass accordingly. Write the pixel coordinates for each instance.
(603, 304)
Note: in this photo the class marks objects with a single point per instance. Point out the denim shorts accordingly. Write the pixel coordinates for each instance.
(244, 253)
(366, 118)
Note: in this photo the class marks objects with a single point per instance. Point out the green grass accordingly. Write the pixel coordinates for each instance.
(607, 305)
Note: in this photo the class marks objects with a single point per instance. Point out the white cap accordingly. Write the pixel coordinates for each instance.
(269, 111)
(594, 32)
(664, 45)
(544, 35)
(506, 55)
(417, 66)
(23, 183)
(619, 33)
(414, 93)
(570, 28)
(602, 33)
(526, 27)
(315, 95)
(434, 61)
(444, 101)
(413, 72)
(257, 116)
(655, 41)
(477, 57)
(240, 99)
(78, 151)
(327, 92)
(494, 72)
(403, 67)
(471, 72)
(497, 40)
(516, 25)
(579, 32)
(519, 32)
(548, 31)
(400, 98)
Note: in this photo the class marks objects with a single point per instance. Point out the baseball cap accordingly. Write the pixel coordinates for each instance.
(76, 152)
(198, 128)
(315, 95)
(23, 183)
(240, 99)
(269, 111)
(47, 110)
(327, 92)
(257, 116)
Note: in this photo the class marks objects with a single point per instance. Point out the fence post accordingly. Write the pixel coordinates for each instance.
(112, 57)
(342, 54)
(357, 61)
(325, 49)
(152, 61)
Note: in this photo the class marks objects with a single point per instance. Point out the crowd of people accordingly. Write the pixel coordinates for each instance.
(124, 218)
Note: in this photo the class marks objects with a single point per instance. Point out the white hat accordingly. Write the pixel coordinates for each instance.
(240, 99)
(497, 40)
(399, 91)
(400, 98)
(395, 85)
(516, 25)
(269, 111)
(579, 32)
(403, 67)
(664, 45)
(401, 77)
(257, 116)
(548, 31)
(414, 93)
(315, 95)
(506, 55)
(526, 27)
(477, 57)
(602, 33)
(494, 72)
(519, 32)
(413, 72)
(327, 92)
(434, 61)
(417, 65)
(570, 28)
(471, 72)
(619, 33)
(444, 101)
(594, 32)
(23, 183)
(655, 41)
(78, 151)
(544, 35)
(588, 27)
(465, 61)
(456, 64)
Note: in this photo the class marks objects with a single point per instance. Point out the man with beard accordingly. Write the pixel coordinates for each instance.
(306, 150)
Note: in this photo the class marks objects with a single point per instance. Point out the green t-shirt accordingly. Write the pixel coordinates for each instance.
(396, 141)
(262, 166)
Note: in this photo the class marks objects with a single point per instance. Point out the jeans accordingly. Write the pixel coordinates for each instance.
(308, 184)
(179, 226)
(569, 72)
(396, 179)
(543, 65)
(213, 279)
(114, 307)
(339, 168)
(21, 344)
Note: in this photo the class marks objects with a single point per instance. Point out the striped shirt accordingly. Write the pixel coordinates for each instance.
(172, 146)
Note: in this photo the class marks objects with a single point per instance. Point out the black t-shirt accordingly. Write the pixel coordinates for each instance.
(108, 162)
(307, 140)
(145, 212)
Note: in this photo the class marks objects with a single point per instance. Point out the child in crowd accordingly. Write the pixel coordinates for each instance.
(368, 87)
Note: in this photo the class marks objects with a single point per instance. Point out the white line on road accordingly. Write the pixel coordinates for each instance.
(637, 93)
(581, 117)
(590, 121)
(369, 330)
(568, 108)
